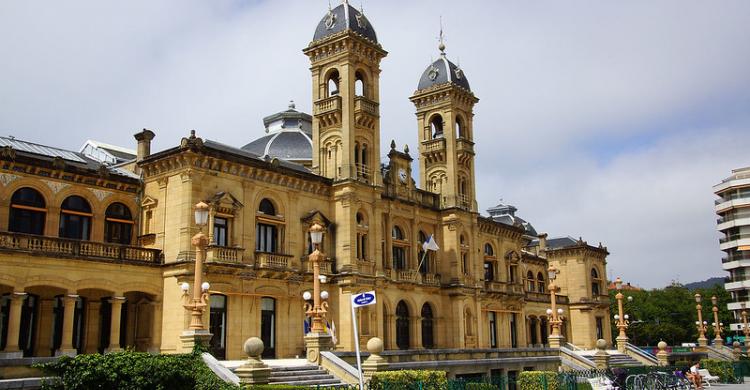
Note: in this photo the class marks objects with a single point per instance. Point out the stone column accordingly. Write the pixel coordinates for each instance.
(12, 349)
(69, 310)
(601, 357)
(316, 343)
(114, 329)
(662, 356)
(538, 330)
(254, 371)
(156, 318)
(374, 362)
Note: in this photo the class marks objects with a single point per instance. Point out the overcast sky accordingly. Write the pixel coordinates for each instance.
(609, 120)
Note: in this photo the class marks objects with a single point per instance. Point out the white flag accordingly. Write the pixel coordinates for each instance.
(430, 244)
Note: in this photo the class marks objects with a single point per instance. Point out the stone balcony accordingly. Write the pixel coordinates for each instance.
(433, 150)
(366, 112)
(328, 111)
(223, 254)
(273, 264)
(326, 266)
(85, 250)
(493, 286)
(533, 296)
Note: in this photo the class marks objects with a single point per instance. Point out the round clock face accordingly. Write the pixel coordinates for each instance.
(402, 175)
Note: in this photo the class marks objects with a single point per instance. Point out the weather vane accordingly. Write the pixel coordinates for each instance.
(441, 38)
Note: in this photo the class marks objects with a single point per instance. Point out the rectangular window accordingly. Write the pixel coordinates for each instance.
(489, 272)
(399, 258)
(221, 231)
(493, 329)
(513, 333)
(599, 328)
(265, 238)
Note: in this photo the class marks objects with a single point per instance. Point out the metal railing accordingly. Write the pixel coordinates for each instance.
(55, 246)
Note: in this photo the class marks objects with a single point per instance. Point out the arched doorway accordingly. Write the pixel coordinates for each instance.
(402, 325)
(428, 327)
(268, 326)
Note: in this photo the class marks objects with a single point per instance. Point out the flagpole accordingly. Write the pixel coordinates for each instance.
(420, 263)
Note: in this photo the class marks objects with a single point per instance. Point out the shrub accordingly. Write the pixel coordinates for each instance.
(723, 369)
(479, 386)
(132, 370)
(538, 380)
(408, 379)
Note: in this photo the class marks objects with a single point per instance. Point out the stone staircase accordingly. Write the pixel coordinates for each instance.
(616, 359)
(306, 375)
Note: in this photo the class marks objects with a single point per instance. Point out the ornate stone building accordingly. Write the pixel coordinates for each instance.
(92, 254)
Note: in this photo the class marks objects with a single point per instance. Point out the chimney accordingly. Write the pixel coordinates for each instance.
(542, 242)
(144, 144)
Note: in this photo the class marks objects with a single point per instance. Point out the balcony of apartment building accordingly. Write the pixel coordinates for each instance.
(738, 280)
(740, 178)
(733, 218)
(732, 198)
(735, 237)
(736, 259)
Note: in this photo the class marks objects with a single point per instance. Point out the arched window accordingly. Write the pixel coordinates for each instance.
(402, 325)
(595, 283)
(465, 267)
(118, 224)
(530, 285)
(489, 262)
(423, 257)
(488, 251)
(540, 282)
(459, 128)
(333, 84)
(75, 218)
(362, 230)
(218, 325)
(428, 339)
(399, 248)
(266, 229)
(436, 126)
(27, 212)
(359, 84)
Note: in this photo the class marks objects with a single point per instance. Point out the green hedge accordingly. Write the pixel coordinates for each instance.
(479, 386)
(408, 379)
(723, 369)
(538, 380)
(131, 371)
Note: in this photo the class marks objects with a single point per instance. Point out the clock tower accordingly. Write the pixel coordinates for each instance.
(445, 115)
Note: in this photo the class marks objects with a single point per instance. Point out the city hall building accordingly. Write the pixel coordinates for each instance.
(95, 244)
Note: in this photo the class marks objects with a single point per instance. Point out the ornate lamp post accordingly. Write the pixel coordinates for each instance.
(717, 325)
(555, 339)
(745, 329)
(622, 319)
(196, 332)
(317, 339)
(700, 324)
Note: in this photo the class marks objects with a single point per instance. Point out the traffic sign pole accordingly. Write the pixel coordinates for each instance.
(359, 300)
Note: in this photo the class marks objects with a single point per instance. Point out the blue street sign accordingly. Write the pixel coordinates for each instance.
(363, 299)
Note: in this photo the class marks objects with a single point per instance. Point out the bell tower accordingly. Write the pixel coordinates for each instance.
(345, 64)
(445, 114)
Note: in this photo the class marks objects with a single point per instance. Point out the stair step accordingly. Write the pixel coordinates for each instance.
(298, 373)
(295, 368)
(332, 381)
(301, 378)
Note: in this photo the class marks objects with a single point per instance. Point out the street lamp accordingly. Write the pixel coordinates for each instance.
(553, 313)
(700, 324)
(745, 329)
(198, 303)
(717, 325)
(622, 319)
(317, 311)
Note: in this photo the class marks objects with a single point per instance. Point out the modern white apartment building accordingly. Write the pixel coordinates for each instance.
(733, 208)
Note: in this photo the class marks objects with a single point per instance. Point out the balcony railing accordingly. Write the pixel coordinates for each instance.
(732, 217)
(223, 254)
(736, 257)
(464, 145)
(365, 105)
(433, 145)
(734, 237)
(274, 261)
(545, 297)
(406, 275)
(55, 246)
(327, 105)
(431, 279)
(325, 265)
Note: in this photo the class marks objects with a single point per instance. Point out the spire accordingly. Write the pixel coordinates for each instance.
(291, 105)
(441, 38)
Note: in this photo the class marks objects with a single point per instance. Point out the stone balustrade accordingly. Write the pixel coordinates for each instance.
(274, 261)
(223, 254)
(89, 250)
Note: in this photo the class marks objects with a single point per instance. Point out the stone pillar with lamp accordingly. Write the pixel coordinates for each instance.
(717, 325)
(621, 318)
(555, 339)
(197, 334)
(318, 339)
(700, 324)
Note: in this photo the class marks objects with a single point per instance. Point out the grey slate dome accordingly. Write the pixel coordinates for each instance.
(289, 137)
(345, 17)
(505, 213)
(443, 71)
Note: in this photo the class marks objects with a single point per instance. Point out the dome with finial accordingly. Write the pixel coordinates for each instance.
(288, 137)
(443, 71)
(345, 17)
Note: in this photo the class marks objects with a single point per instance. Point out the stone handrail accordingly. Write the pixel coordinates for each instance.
(406, 275)
(328, 104)
(640, 355)
(464, 145)
(363, 104)
(433, 145)
(56, 246)
(325, 266)
(224, 254)
(272, 260)
(577, 359)
(339, 368)
(431, 279)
